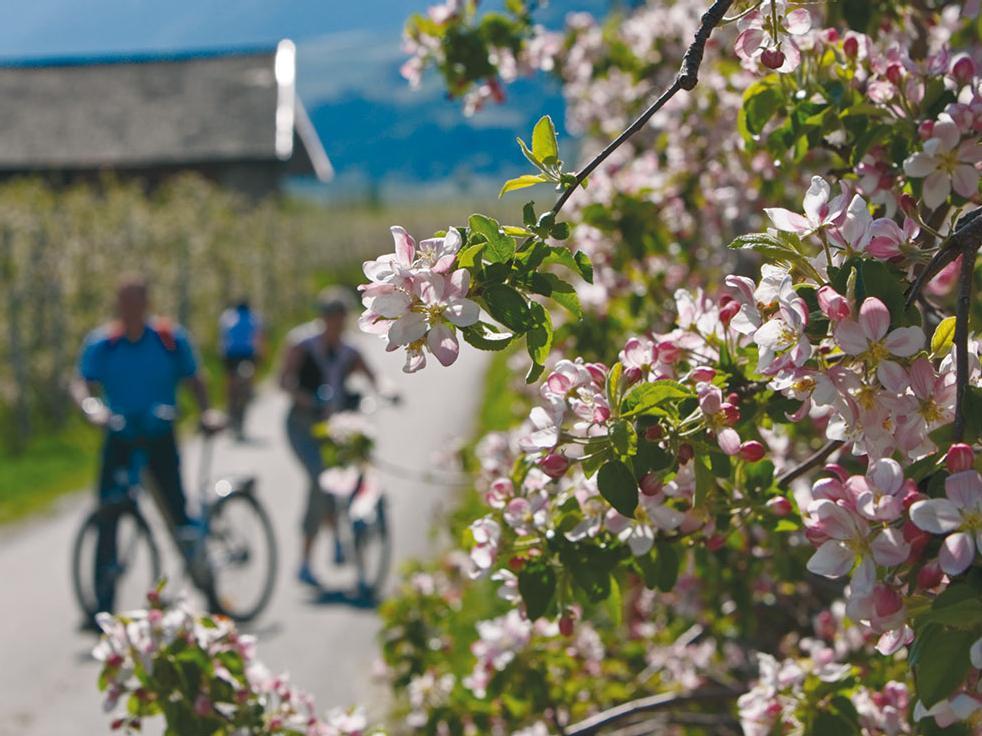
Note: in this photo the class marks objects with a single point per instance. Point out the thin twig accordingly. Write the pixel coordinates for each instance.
(686, 79)
(593, 724)
(968, 233)
(785, 479)
(962, 313)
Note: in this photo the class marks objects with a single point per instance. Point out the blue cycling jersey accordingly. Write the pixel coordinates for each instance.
(138, 377)
(238, 330)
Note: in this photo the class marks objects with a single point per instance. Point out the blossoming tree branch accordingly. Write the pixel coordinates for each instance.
(746, 493)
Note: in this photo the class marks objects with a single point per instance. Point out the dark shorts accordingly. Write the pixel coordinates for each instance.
(234, 362)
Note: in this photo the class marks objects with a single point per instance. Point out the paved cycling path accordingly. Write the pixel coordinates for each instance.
(47, 680)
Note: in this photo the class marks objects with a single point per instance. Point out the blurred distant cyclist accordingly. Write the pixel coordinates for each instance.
(241, 343)
(317, 365)
(128, 374)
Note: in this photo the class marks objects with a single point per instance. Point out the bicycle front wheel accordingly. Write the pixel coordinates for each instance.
(241, 553)
(373, 550)
(115, 561)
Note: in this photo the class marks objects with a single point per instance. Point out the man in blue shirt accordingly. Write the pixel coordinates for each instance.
(128, 375)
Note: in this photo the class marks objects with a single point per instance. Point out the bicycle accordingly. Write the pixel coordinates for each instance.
(361, 520)
(231, 541)
(240, 394)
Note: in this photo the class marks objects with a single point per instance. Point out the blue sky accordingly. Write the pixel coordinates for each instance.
(373, 126)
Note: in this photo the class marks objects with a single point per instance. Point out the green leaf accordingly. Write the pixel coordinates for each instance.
(760, 103)
(667, 562)
(942, 662)
(507, 306)
(944, 337)
(578, 262)
(758, 476)
(545, 146)
(616, 483)
(889, 286)
(500, 247)
(705, 483)
(470, 256)
(483, 337)
(521, 182)
(537, 585)
(590, 568)
(539, 337)
(646, 398)
(532, 158)
(624, 437)
(561, 292)
(615, 604)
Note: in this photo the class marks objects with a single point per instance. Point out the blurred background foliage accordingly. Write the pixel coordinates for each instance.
(200, 246)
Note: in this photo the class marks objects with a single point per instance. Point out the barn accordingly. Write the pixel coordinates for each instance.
(232, 116)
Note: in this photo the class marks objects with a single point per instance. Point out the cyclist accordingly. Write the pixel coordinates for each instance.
(241, 345)
(128, 374)
(316, 367)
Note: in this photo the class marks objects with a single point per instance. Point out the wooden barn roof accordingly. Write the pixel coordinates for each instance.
(144, 111)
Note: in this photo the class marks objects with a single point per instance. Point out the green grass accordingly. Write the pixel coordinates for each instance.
(49, 467)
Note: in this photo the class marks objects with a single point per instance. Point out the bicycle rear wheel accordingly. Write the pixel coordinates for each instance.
(114, 577)
(241, 550)
(372, 549)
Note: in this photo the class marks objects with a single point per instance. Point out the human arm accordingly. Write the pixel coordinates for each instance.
(289, 378)
(86, 396)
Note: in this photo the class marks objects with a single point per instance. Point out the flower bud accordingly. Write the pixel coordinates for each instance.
(963, 69)
(516, 563)
(829, 35)
(917, 538)
(886, 600)
(908, 204)
(601, 414)
(772, 58)
(850, 47)
(202, 706)
(703, 374)
(631, 376)
(926, 129)
(779, 506)
(554, 465)
(668, 352)
(654, 433)
(598, 372)
(686, 453)
(733, 398)
(728, 311)
(715, 542)
(751, 451)
(731, 413)
(930, 576)
(566, 625)
(833, 304)
(960, 457)
(895, 73)
(651, 484)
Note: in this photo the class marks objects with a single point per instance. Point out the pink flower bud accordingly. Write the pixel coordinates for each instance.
(911, 494)
(850, 47)
(751, 451)
(829, 35)
(772, 58)
(908, 204)
(733, 398)
(930, 576)
(554, 465)
(703, 374)
(837, 470)
(895, 73)
(650, 484)
(654, 433)
(668, 352)
(566, 625)
(686, 453)
(598, 372)
(779, 506)
(517, 563)
(917, 538)
(960, 458)
(202, 706)
(963, 69)
(601, 414)
(632, 376)
(728, 312)
(730, 413)
(715, 542)
(833, 304)
(886, 600)
(926, 129)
